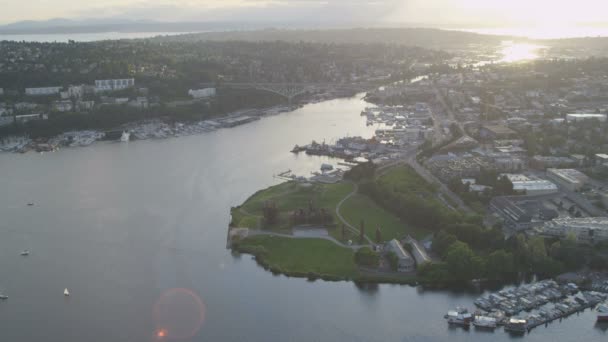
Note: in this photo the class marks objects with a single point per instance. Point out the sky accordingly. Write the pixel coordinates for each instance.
(436, 12)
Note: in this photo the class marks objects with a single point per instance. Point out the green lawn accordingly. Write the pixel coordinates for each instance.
(288, 196)
(404, 179)
(302, 256)
(360, 207)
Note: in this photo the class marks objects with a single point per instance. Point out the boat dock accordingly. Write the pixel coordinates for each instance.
(536, 304)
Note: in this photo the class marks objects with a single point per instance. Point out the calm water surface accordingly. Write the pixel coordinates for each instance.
(137, 232)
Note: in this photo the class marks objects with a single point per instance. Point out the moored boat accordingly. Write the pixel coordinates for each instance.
(602, 312)
(516, 325)
(125, 136)
(460, 317)
(485, 322)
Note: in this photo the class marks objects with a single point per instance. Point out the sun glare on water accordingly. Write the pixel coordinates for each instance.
(518, 52)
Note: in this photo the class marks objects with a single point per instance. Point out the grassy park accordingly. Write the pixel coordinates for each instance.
(360, 207)
(288, 196)
(302, 257)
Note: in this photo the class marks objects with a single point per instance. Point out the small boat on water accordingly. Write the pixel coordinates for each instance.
(516, 325)
(460, 317)
(460, 320)
(30, 204)
(66, 292)
(484, 322)
(125, 137)
(602, 312)
(25, 252)
(3, 297)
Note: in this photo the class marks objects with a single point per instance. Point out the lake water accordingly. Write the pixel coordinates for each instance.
(137, 232)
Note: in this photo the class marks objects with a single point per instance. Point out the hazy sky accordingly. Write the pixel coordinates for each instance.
(458, 12)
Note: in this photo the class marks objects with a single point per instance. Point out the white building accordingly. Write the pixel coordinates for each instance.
(139, 102)
(601, 158)
(116, 84)
(202, 93)
(29, 117)
(582, 117)
(571, 179)
(63, 106)
(586, 230)
(75, 92)
(528, 186)
(406, 262)
(85, 105)
(42, 91)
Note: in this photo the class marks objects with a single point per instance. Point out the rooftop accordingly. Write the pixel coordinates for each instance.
(499, 129)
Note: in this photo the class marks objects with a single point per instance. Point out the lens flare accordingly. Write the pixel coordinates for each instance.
(179, 314)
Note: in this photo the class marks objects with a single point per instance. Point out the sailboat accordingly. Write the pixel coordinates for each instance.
(66, 292)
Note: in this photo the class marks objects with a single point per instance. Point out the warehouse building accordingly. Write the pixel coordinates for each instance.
(570, 179)
(588, 230)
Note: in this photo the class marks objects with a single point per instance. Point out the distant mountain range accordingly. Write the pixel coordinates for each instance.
(63, 26)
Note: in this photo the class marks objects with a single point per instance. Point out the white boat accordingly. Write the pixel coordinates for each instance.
(460, 316)
(485, 322)
(516, 325)
(463, 320)
(25, 253)
(602, 312)
(125, 136)
(66, 292)
(3, 297)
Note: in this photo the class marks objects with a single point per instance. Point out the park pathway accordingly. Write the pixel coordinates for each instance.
(339, 206)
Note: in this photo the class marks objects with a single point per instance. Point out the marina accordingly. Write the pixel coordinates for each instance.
(526, 307)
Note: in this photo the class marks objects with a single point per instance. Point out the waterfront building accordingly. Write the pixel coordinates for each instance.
(115, 84)
(601, 159)
(202, 93)
(406, 262)
(42, 91)
(576, 117)
(63, 106)
(29, 117)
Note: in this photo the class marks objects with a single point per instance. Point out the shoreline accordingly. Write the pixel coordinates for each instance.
(157, 128)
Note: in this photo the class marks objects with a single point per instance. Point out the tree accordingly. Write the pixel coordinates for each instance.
(460, 261)
(442, 242)
(270, 212)
(367, 257)
(500, 265)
